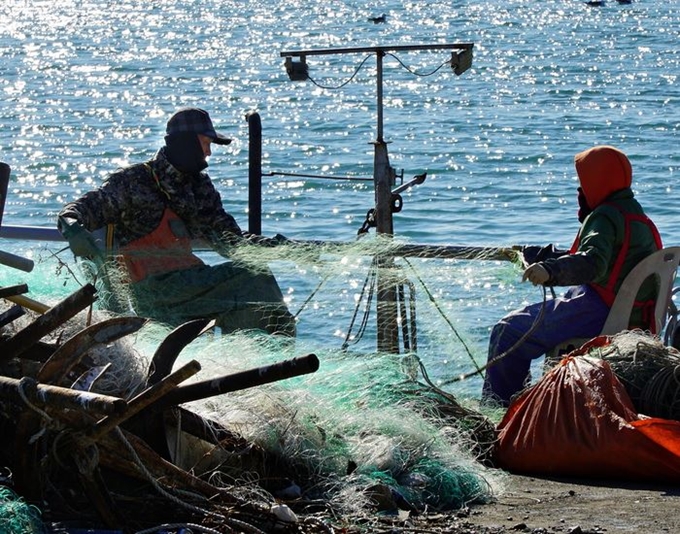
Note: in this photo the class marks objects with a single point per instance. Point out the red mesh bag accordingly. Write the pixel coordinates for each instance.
(579, 421)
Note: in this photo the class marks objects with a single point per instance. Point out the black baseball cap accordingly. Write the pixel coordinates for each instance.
(195, 120)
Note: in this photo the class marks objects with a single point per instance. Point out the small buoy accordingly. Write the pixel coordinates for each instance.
(283, 513)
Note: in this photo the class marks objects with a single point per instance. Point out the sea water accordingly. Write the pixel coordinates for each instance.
(87, 86)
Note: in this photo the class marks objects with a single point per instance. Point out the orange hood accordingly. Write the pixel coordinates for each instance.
(602, 170)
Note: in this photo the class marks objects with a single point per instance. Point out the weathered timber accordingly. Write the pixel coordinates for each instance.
(29, 303)
(15, 311)
(129, 456)
(44, 395)
(113, 455)
(72, 351)
(10, 291)
(10, 315)
(25, 338)
(146, 398)
(94, 485)
(243, 380)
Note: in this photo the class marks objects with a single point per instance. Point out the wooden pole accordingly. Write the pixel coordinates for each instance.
(28, 303)
(243, 380)
(145, 398)
(24, 339)
(10, 315)
(43, 395)
(11, 291)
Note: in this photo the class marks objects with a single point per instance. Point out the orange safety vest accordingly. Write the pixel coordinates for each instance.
(608, 291)
(160, 251)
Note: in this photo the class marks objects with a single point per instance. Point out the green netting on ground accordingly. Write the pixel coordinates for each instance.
(18, 517)
(430, 483)
(368, 422)
(360, 420)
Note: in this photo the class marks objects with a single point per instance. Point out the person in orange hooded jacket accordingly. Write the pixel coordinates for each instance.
(614, 236)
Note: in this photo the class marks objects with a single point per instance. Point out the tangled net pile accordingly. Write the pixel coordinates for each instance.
(16, 516)
(649, 370)
(360, 433)
(370, 430)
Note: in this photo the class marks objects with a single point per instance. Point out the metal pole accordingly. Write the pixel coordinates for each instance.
(241, 380)
(379, 74)
(384, 178)
(4, 182)
(254, 173)
(33, 233)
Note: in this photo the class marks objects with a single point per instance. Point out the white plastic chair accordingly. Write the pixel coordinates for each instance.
(663, 265)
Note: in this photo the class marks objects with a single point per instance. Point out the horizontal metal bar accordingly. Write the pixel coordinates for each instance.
(36, 233)
(17, 262)
(293, 174)
(413, 250)
(377, 49)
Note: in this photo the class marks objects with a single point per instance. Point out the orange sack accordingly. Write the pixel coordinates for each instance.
(579, 421)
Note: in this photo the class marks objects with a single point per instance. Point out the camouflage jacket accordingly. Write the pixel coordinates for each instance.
(134, 202)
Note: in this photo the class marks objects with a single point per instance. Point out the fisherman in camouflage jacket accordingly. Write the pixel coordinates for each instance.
(152, 212)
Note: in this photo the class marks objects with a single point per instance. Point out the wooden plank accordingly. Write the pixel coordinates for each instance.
(54, 397)
(24, 339)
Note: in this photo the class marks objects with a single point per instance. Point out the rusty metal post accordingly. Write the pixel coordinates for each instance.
(254, 173)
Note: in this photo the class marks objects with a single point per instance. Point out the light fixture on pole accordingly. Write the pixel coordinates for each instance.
(461, 60)
(384, 175)
(297, 70)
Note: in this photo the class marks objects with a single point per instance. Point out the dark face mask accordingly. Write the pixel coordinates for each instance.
(185, 153)
(583, 208)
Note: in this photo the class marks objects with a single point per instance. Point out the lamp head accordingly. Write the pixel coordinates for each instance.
(461, 60)
(297, 70)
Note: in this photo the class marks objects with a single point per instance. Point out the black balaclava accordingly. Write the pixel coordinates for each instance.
(583, 207)
(184, 151)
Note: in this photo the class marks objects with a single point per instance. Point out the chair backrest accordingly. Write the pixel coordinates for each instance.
(663, 264)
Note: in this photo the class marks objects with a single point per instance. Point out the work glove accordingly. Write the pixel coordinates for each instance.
(81, 242)
(264, 241)
(537, 274)
(534, 253)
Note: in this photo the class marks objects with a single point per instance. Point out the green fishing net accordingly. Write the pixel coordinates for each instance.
(18, 517)
(387, 321)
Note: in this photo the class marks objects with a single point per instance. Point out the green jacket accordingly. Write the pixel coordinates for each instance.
(603, 232)
(600, 239)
